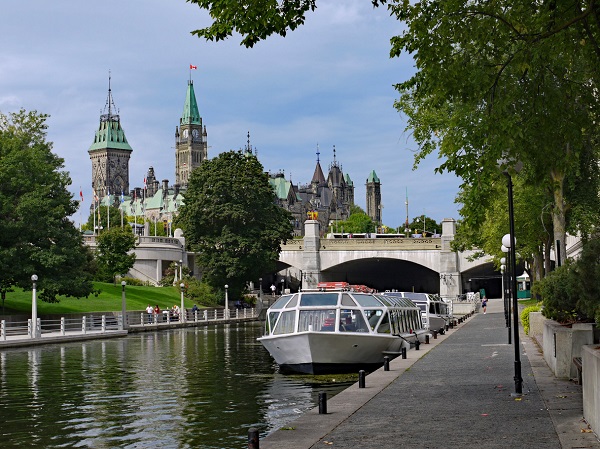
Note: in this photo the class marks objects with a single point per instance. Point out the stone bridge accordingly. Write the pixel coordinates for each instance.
(406, 264)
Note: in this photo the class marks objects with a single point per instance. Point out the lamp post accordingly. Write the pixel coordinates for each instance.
(176, 273)
(180, 270)
(509, 241)
(34, 333)
(123, 308)
(282, 285)
(182, 314)
(226, 302)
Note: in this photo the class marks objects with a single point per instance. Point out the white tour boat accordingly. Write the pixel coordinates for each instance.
(318, 332)
(435, 311)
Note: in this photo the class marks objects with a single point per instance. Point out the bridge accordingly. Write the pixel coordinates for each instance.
(404, 264)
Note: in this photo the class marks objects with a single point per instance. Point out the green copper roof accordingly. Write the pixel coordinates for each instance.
(110, 135)
(281, 187)
(190, 108)
(348, 180)
(373, 177)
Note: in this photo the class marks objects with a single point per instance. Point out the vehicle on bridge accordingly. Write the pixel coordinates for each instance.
(435, 311)
(318, 332)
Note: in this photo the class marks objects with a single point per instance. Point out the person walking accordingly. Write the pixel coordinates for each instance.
(272, 289)
(484, 305)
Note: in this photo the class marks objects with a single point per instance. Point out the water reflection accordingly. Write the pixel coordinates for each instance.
(197, 388)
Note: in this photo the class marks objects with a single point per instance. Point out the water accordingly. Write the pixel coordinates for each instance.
(186, 388)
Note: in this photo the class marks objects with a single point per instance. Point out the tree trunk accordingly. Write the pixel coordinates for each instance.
(547, 261)
(558, 216)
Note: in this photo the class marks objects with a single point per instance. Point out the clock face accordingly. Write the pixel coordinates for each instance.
(195, 133)
(185, 133)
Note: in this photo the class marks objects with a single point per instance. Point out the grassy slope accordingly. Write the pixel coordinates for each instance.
(109, 300)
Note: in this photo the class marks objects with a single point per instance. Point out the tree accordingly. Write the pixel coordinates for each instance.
(430, 224)
(113, 253)
(231, 220)
(36, 235)
(502, 80)
(357, 223)
(254, 20)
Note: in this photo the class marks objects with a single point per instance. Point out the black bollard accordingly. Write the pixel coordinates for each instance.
(435, 332)
(361, 378)
(451, 325)
(386, 363)
(403, 352)
(447, 327)
(426, 339)
(322, 403)
(417, 344)
(253, 442)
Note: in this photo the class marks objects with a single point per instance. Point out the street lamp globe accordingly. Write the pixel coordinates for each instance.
(506, 240)
(503, 261)
(34, 277)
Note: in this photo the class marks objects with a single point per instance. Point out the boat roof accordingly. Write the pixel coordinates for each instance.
(311, 299)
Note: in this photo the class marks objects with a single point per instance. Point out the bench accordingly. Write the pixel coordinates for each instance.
(578, 365)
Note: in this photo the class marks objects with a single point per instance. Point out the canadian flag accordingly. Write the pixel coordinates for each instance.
(81, 194)
(193, 67)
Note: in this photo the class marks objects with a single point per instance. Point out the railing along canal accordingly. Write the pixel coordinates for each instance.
(94, 323)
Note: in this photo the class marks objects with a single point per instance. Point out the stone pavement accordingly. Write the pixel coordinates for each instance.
(456, 392)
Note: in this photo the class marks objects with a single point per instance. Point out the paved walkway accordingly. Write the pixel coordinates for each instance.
(456, 392)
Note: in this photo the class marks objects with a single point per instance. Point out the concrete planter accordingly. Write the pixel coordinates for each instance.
(590, 356)
(562, 343)
(536, 324)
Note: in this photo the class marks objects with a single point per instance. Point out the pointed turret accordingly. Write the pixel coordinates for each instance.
(190, 115)
(110, 152)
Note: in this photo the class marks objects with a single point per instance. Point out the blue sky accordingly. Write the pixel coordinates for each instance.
(328, 83)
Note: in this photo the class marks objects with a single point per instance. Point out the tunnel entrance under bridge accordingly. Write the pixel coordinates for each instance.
(385, 274)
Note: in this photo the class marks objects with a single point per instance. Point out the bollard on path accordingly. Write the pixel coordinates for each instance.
(361, 378)
(435, 334)
(426, 339)
(322, 403)
(253, 442)
(403, 352)
(386, 363)
(417, 345)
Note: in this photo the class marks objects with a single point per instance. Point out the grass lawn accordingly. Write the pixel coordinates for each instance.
(528, 302)
(109, 300)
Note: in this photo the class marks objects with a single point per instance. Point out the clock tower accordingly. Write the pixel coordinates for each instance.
(110, 153)
(190, 139)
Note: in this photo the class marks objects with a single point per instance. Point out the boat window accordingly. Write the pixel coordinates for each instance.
(271, 321)
(384, 325)
(347, 300)
(367, 300)
(285, 325)
(373, 317)
(322, 320)
(394, 321)
(293, 302)
(384, 300)
(318, 299)
(352, 321)
(281, 302)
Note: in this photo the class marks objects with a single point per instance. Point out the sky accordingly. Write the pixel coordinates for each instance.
(328, 83)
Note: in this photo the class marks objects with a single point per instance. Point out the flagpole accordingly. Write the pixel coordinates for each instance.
(94, 199)
(108, 212)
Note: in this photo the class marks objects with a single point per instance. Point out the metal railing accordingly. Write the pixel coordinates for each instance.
(105, 323)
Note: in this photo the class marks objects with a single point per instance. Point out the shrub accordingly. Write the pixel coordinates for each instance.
(201, 293)
(525, 316)
(588, 274)
(560, 292)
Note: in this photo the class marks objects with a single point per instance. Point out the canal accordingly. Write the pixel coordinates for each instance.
(185, 388)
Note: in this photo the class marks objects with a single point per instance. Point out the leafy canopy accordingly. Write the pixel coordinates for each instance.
(113, 252)
(36, 235)
(231, 220)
